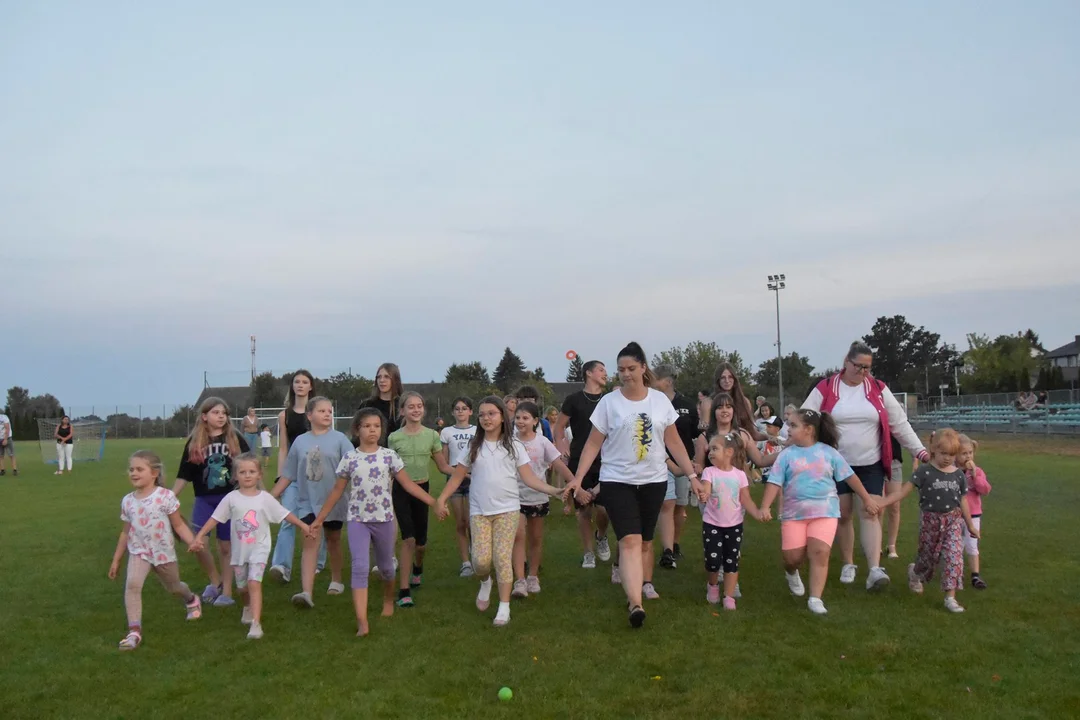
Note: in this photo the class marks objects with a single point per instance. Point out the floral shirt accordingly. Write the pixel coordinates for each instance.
(150, 536)
(370, 477)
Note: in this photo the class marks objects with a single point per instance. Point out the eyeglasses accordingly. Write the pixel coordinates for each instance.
(859, 366)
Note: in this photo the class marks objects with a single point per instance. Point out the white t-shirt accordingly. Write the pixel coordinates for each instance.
(633, 451)
(264, 437)
(494, 488)
(859, 424)
(457, 442)
(5, 427)
(251, 516)
(150, 536)
(541, 454)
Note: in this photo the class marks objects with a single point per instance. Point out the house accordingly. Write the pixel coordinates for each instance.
(1067, 357)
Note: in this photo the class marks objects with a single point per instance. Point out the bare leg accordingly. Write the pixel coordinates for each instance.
(665, 525)
(206, 560)
(891, 488)
(588, 540)
(731, 579)
(680, 523)
(308, 558)
(359, 601)
(405, 560)
(388, 598)
(648, 559)
(845, 531)
(535, 533)
(631, 558)
(225, 556)
(255, 600)
(819, 565)
(460, 508)
(519, 550)
(869, 535)
(601, 520)
(336, 553)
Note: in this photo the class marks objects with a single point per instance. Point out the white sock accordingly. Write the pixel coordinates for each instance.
(485, 590)
(504, 611)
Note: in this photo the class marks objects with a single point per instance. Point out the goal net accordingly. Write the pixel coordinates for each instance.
(269, 417)
(88, 438)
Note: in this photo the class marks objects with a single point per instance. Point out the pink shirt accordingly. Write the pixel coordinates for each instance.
(724, 508)
(977, 486)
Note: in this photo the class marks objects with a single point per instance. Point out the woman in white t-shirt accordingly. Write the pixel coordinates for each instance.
(633, 430)
(496, 460)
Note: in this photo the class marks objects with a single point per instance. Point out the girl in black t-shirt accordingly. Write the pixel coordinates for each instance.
(385, 398)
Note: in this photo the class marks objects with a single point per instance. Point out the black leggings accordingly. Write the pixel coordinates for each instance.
(411, 514)
(723, 547)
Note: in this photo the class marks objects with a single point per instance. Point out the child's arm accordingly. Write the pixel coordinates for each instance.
(564, 472)
(701, 488)
(748, 504)
(452, 485)
(200, 539)
(977, 480)
(308, 529)
(180, 528)
(752, 452)
(895, 498)
(678, 452)
(439, 456)
(121, 548)
(283, 443)
(178, 486)
(410, 486)
(331, 500)
(529, 478)
(872, 504)
(589, 454)
(972, 530)
(446, 459)
(771, 491)
(700, 446)
(280, 486)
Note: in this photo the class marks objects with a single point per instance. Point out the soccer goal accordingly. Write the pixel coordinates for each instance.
(88, 437)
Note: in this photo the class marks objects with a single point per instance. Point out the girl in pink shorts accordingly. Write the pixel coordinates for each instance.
(807, 471)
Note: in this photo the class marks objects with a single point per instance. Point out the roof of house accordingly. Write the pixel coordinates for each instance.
(1066, 350)
(238, 398)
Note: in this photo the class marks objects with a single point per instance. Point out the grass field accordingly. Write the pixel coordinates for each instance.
(567, 652)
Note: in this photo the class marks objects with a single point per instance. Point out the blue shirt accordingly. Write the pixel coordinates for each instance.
(808, 477)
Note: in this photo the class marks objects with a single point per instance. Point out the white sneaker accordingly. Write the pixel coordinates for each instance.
(616, 578)
(815, 606)
(589, 561)
(335, 588)
(533, 584)
(794, 583)
(281, 573)
(466, 570)
(914, 583)
(502, 617)
(302, 599)
(649, 592)
(603, 548)
(738, 592)
(847, 574)
(952, 606)
(877, 580)
(255, 633)
(521, 590)
(245, 617)
(892, 552)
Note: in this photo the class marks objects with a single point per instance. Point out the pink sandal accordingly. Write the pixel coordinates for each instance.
(194, 608)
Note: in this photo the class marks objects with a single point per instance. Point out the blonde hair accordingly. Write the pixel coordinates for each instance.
(965, 441)
(199, 439)
(153, 460)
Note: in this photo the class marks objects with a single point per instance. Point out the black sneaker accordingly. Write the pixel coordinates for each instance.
(678, 552)
(667, 560)
(978, 583)
(637, 617)
(3, 472)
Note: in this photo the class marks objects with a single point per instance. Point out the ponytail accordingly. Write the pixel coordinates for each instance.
(825, 431)
(633, 350)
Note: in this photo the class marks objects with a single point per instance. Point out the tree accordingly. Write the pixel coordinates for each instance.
(537, 375)
(696, 365)
(576, 371)
(909, 358)
(797, 372)
(18, 400)
(266, 390)
(510, 372)
(346, 391)
(1004, 364)
(465, 373)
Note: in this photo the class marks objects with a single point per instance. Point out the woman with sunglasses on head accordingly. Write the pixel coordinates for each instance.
(867, 417)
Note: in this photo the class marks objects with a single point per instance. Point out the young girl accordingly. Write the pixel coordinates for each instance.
(207, 465)
(944, 513)
(369, 471)
(534, 504)
(151, 514)
(417, 446)
(496, 461)
(265, 442)
(249, 510)
(808, 471)
(388, 390)
(724, 492)
(455, 444)
(65, 438)
(311, 464)
(977, 486)
(721, 422)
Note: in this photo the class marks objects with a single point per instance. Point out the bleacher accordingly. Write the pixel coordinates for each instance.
(1054, 419)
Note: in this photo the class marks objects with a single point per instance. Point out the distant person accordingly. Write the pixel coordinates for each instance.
(528, 393)
(7, 445)
(763, 416)
(510, 401)
(65, 444)
(977, 486)
(249, 428)
(385, 398)
(266, 443)
(455, 444)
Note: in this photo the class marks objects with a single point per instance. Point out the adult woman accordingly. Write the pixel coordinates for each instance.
(385, 397)
(249, 428)
(725, 380)
(292, 423)
(65, 439)
(867, 417)
(632, 426)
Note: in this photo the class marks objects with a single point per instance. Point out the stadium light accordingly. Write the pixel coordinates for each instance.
(776, 284)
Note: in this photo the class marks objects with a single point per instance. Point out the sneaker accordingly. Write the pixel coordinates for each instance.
(483, 598)
(603, 548)
(667, 560)
(847, 574)
(678, 552)
(649, 592)
(502, 617)
(815, 606)
(729, 603)
(245, 617)
(224, 601)
(255, 633)
(637, 616)
(952, 606)
(335, 588)
(532, 583)
(616, 579)
(712, 594)
(405, 602)
(977, 582)
(466, 570)
(794, 583)
(210, 593)
(281, 574)
(877, 579)
(194, 608)
(303, 600)
(738, 592)
(589, 561)
(416, 580)
(521, 590)
(892, 552)
(914, 583)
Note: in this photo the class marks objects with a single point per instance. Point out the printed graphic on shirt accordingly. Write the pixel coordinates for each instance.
(642, 434)
(217, 473)
(247, 527)
(314, 461)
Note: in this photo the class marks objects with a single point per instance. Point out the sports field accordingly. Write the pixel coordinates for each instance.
(568, 652)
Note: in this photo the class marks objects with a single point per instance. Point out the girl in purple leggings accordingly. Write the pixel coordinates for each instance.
(369, 471)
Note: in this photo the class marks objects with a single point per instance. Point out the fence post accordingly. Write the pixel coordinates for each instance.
(140, 422)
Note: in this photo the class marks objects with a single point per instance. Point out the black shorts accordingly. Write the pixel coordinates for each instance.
(328, 524)
(591, 480)
(633, 509)
(411, 514)
(723, 547)
(536, 511)
(871, 476)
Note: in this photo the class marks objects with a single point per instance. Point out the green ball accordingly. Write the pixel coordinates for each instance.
(505, 694)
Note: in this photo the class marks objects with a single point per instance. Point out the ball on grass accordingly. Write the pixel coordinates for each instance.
(505, 694)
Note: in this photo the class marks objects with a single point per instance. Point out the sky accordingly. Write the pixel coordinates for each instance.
(430, 182)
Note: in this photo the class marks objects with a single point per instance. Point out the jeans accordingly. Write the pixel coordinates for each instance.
(285, 549)
(252, 441)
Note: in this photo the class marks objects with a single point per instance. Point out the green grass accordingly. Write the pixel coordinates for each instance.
(567, 652)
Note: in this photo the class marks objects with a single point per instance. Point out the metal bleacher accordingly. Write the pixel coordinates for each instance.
(1059, 419)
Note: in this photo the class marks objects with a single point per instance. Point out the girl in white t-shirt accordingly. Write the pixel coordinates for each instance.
(455, 445)
(151, 515)
(249, 510)
(496, 460)
(632, 426)
(534, 505)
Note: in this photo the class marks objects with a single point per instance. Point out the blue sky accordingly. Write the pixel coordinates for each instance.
(359, 182)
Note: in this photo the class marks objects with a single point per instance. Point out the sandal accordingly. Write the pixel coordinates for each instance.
(131, 641)
(637, 616)
(194, 608)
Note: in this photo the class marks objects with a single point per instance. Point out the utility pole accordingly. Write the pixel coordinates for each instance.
(776, 284)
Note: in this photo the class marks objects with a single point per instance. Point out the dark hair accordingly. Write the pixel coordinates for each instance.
(507, 439)
(264, 426)
(739, 403)
(290, 396)
(531, 408)
(720, 398)
(363, 414)
(634, 351)
(823, 424)
(733, 440)
(395, 388)
(591, 365)
(760, 411)
(463, 399)
(527, 391)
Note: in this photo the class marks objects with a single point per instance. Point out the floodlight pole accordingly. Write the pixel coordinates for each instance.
(776, 284)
